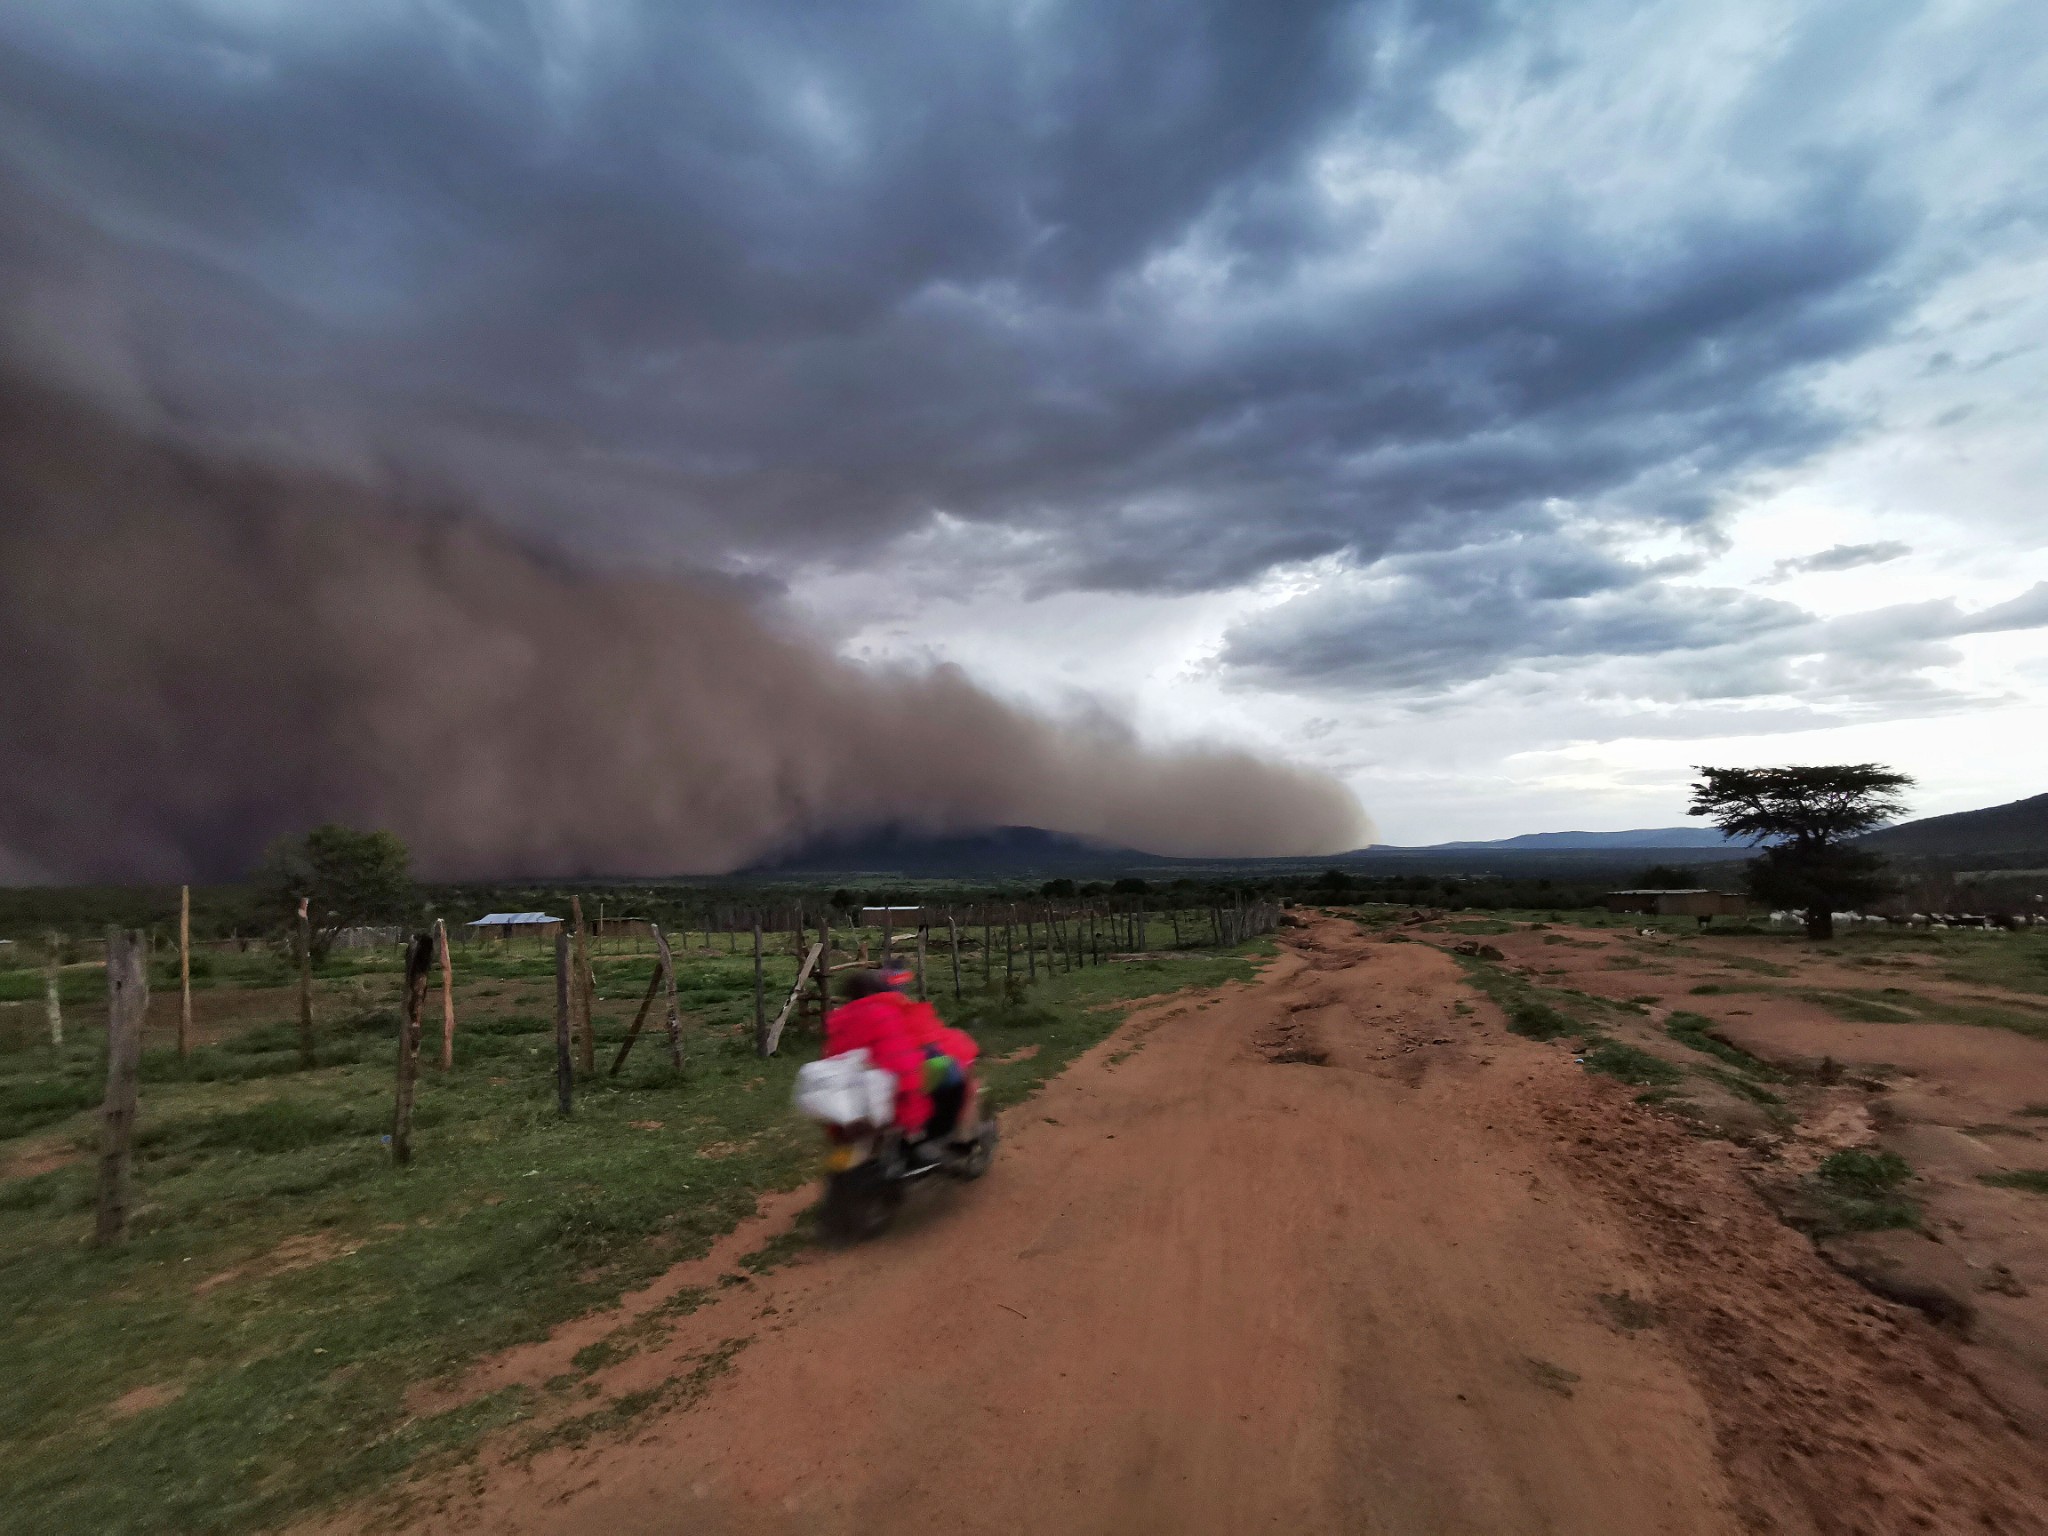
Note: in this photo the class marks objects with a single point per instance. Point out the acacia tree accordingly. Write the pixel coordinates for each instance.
(347, 877)
(1806, 816)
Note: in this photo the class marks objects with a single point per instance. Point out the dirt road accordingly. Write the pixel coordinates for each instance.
(1329, 1252)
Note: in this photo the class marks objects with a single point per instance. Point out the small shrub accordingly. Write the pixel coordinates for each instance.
(1857, 1191)
(1613, 1058)
(1539, 1021)
(1857, 1171)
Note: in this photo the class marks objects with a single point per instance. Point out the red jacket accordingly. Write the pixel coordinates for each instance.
(895, 1031)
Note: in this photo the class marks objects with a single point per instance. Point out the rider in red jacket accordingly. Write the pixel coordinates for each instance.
(929, 1059)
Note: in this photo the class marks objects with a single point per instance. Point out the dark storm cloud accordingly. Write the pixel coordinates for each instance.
(776, 282)
(206, 654)
(1450, 300)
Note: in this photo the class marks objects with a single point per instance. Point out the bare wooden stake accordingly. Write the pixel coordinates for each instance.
(419, 958)
(824, 971)
(760, 997)
(565, 1066)
(667, 962)
(953, 948)
(803, 979)
(305, 985)
(184, 971)
(1030, 950)
(53, 1007)
(640, 1018)
(447, 996)
(127, 1002)
(920, 963)
(586, 992)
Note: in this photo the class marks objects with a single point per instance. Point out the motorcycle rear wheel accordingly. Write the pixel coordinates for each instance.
(975, 1163)
(859, 1204)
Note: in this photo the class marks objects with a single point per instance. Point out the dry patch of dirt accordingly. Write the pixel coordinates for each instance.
(43, 1155)
(1514, 1300)
(141, 1399)
(301, 1252)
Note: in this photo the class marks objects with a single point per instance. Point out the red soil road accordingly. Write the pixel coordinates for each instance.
(1208, 1290)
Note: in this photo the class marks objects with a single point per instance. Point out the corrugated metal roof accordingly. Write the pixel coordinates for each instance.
(513, 919)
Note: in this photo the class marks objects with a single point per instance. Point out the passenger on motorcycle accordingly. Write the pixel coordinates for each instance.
(931, 1061)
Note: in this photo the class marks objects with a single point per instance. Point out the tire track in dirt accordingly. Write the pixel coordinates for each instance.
(1440, 1282)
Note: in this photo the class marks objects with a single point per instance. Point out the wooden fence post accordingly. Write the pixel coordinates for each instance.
(447, 995)
(760, 997)
(1010, 949)
(565, 1066)
(988, 948)
(920, 962)
(953, 948)
(184, 971)
(127, 1002)
(53, 1007)
(305, 984)
(419, 955)
(1030, 950)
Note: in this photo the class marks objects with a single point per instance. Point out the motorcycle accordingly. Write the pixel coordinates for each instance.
(869, 1164)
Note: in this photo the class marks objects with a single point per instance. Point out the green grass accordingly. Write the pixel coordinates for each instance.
(1898, 1005)
(2033, 1180)
(1692, 1030)
(295, 1285)
(1858, 1008)
(1628, 1063)
(1754, 966)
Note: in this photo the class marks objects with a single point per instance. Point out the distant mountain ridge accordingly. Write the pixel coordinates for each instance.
(1006, 854)
(1641, 837)
(2015, 827)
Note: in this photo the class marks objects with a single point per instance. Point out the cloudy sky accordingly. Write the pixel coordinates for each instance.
(1502, 406)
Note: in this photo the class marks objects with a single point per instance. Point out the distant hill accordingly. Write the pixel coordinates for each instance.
(1033, 854)
(1004, 854)
(1645, 837)
(2018, 827)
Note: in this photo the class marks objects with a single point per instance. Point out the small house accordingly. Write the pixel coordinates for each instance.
(900, 919)
(506, 926)
(1696, 901)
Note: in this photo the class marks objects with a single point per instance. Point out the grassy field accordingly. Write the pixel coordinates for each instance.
(247, 1354)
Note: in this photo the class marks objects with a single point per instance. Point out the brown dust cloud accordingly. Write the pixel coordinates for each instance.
(205, 650)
